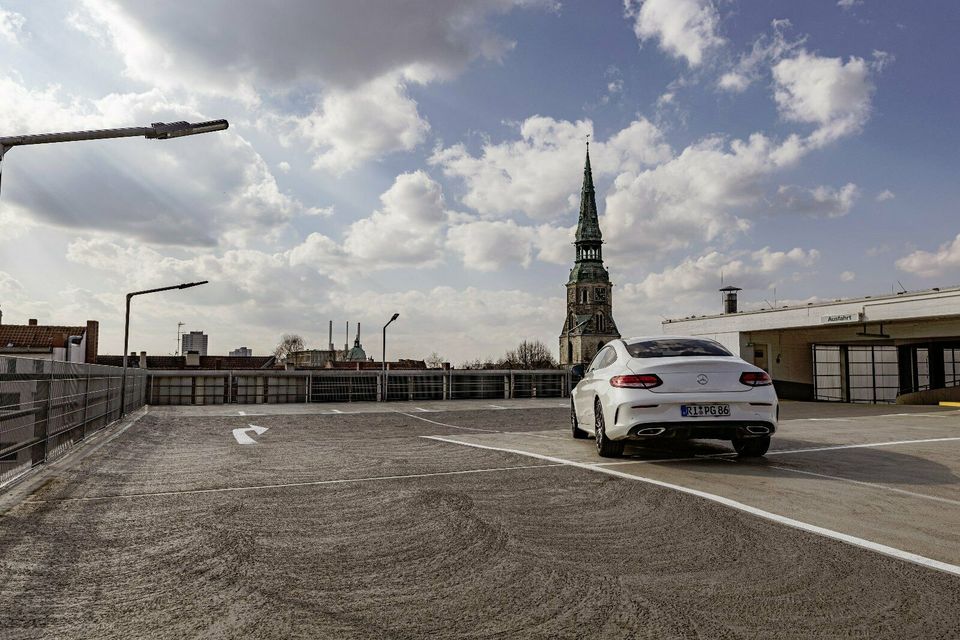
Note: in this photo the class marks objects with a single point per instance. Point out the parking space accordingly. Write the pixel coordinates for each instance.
(456, 520)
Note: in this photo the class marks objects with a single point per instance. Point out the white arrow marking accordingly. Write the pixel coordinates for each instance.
(243, 413)
(243, 438)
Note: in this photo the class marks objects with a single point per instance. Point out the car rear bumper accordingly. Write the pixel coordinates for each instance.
(712, 429)
(753, 415)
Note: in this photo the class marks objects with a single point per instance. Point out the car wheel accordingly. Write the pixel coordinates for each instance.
(751, 447)
(578, 433)
(606, 447)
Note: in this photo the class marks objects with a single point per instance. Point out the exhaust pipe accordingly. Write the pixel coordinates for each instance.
(758, 430)
(650, 431)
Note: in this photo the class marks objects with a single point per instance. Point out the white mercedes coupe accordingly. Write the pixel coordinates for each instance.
(676, 387)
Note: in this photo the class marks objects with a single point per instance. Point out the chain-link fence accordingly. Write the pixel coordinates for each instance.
(46, 407)
(279, 387)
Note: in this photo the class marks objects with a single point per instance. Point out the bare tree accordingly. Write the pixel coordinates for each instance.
(529, 354)
(289, 342)
(435, 360)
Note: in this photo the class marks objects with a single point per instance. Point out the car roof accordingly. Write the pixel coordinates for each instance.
(664, 337)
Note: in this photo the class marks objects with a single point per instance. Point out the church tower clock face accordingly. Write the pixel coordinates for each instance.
(600, 294)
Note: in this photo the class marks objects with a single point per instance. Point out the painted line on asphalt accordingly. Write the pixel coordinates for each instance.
(872, 485)
(767, 515)
(285, 485)
(443, 424)
(867, 445)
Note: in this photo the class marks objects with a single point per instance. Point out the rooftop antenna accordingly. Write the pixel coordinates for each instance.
(903, 288)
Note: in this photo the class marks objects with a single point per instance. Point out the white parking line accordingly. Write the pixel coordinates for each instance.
(443, 424)
(790, 522)
(872, 485)
(867, 445)
(284, 485)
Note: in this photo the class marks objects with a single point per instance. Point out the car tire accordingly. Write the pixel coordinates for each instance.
(578, 433)
(751, 447)
(606, 447)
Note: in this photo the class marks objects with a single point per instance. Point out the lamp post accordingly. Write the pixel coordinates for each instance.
(126, 334)
(156, 131)
(383, 360)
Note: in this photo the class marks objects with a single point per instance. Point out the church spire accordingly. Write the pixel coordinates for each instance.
(588, 226)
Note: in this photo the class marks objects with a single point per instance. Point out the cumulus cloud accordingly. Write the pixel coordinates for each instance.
(683, 28)
(827, 92)
(765, 51)
(11, 25)
(885, 195)
(407, 229)
(693, 197)
(213, 189)
(820, 201)
(487, 245)
(354, 125)
(848, 276)
(309, 42)
(536, 174)
(755, 270)
(932, 263)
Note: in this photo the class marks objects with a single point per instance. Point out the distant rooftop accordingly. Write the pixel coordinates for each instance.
(826, 303)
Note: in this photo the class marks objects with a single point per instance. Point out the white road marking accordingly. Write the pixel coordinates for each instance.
(819, 420)
(891, 443)
(243, 438)
(284, 485)
(790, 522)
(243, 413)
(496, 406)
(335, 411)
(425, 410)
(443, 424)
(872, 485)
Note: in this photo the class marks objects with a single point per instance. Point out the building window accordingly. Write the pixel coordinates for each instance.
(583, 296)
(601, 324)
(951, 367)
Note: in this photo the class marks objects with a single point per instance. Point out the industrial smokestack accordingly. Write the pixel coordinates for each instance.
(730, 299)
(330, 339)
(346, 337)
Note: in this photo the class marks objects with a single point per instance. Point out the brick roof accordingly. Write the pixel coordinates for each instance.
(24, 335)
(180, 362)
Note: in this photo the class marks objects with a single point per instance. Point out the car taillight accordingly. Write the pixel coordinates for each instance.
(641, 381)
(755, 379)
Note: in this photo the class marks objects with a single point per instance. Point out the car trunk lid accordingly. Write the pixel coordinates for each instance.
(694, 374)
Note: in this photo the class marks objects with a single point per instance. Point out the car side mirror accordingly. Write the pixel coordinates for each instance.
(576, 374)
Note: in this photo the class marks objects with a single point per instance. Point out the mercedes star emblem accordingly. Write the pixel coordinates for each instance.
(702, 379)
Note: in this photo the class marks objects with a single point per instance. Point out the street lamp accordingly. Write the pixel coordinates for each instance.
(156, 131)
(384, 358)
(126, 334)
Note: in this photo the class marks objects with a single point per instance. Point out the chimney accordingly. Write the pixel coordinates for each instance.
(193, 359)
(346, 338)
(330, 339)
(32, 322)
(730, 299)
(93, 335)
(143, 359)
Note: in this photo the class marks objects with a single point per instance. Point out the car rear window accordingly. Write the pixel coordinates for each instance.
(675, 347)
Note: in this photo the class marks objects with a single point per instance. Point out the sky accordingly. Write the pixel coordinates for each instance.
(425, 157)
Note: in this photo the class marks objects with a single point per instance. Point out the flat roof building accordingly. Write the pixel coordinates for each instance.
(868, 349)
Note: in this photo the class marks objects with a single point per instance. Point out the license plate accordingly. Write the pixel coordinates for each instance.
(704, 410)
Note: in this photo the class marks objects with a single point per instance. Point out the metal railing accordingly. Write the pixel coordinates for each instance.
(281, 387)
(46, 407)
